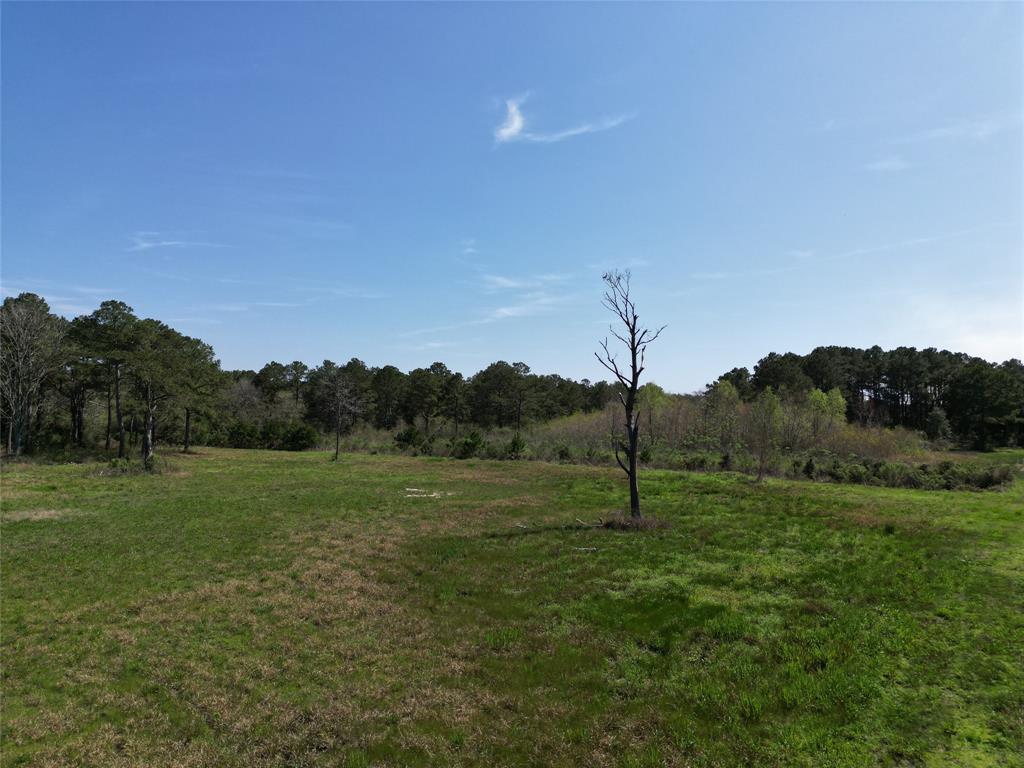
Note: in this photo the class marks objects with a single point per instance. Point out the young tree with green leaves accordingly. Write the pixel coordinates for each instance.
(826, 410)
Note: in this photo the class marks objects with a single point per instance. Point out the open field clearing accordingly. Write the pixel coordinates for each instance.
(256, 608)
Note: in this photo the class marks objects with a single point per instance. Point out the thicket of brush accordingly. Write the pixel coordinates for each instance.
(802, 438)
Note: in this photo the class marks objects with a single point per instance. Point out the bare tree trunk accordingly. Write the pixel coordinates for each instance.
(35, 426)
(73, 407)
(337, 422)
(635, 339)
(121, 445)
(634, 488)
(188, 431)
(147, 432)
(147, 440)
(106, 444)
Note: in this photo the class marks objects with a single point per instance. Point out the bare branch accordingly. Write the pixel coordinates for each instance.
(635, 339)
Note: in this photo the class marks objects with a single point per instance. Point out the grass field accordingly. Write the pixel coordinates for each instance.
(272, 609)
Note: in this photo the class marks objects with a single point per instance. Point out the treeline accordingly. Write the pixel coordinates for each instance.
(113, 379)
(948, 395)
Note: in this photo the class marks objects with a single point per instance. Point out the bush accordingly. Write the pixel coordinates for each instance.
(272, 434)
(243, 434)
(809, 468)
(300, 437)
(516, 446)
(467, 446)
(410, 437)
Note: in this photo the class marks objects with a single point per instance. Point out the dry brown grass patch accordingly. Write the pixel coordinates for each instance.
(37, 514)
(621, 522)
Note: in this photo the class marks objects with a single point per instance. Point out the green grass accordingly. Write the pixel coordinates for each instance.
(273, 609)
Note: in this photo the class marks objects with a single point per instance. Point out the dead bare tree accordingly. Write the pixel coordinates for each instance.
(636, 339)
(342, 402)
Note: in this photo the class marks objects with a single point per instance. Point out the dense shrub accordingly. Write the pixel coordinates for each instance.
(410, 437)
(516, 446)
(300, 437)
(273, 434)
(243, 434)
(467, 446)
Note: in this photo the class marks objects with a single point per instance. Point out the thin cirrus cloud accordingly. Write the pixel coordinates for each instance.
(524, 304)
(888, 165)
(514, 127)
(854, 253)
(245, 306)
(977, 129)
(146, 241)
(493, 283)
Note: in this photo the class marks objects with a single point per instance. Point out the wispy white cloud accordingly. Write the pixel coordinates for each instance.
(901, 244)
(145, 241)
(434, 345)
(469, 247)
(744, 273)
(64, 299)
(499, 282)
(514, 126)
(345, 291)
(888, 164)
(977, 129)
(802, 253)
(808, 255)
(195, 320)
(524, 304)
(493, 283)
(67, 305)
(634, 262)
(245, 306)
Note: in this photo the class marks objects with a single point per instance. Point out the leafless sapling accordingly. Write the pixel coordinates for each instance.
(636, 339)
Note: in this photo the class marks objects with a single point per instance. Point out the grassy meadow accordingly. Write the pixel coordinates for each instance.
(256, 608)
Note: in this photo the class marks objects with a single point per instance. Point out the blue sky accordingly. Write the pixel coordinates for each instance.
(407, 183)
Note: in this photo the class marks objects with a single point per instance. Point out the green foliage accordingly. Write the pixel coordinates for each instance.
(410, 437)
(243, 434)
(468, 446)
(516, 446)
(937, 427)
